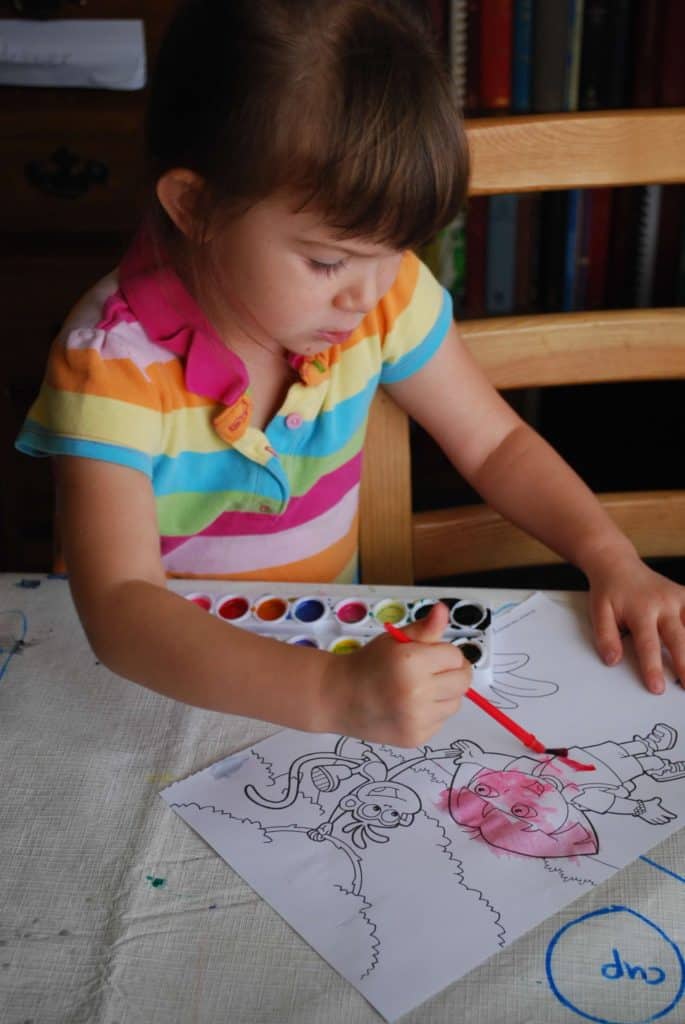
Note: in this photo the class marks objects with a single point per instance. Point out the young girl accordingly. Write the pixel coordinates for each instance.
(206, 402)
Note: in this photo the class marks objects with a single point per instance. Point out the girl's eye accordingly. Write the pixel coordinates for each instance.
(326, 268)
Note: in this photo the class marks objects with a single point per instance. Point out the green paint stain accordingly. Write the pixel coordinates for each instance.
(156, 883)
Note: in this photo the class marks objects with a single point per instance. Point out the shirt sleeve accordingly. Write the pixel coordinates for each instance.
(416, 314)
(96, 401)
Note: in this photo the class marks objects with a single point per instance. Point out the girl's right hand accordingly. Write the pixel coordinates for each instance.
(397, 693)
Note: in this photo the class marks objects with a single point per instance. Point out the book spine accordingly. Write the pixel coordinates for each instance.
(476, 234)
(583, 250)
(618, 65)
(452, 249)
(500, 255)
(438, 14)
(522, 56)
(671, 228)
(647, 53)
(552, 250)
(458, 26)
(573, 217)
(551, 35)
(472, 103)
(623, 247)
(527, 241)
(495, 54)
(599, 214)
(672, 75)
(593, 67)
(649, 224)
(573, 55)
(680, 276)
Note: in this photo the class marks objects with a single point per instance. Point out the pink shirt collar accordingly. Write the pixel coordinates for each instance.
(171, 318)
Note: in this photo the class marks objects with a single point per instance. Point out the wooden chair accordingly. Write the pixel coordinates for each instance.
(516, 155)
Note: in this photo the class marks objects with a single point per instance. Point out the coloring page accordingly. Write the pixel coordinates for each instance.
(405, 869)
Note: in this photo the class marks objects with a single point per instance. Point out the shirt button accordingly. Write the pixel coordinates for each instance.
(293, 421)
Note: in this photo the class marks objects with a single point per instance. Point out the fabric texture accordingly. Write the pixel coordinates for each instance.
(138, 377)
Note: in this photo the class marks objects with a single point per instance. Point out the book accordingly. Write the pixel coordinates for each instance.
(593, 66)
(617, 54)
(670, 234)
(500, 256)
(472, 102)
(573, 53)
(647, 239)
(452, 260)
(672, 73)
(598, 202)
(574, 220)
(552, 36)
(522, 56)
(476, 234)
(437, 10)
(527, 242)
(647, 52)
(552, 250)
(457, 49)
(496, 23)
(623, 247)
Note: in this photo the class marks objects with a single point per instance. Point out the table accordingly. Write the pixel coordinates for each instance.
(113, 911)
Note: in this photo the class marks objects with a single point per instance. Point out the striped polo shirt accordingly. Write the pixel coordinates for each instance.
(138, 377)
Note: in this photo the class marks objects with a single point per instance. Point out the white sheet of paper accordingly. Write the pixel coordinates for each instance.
(73, 53)
(406, 876)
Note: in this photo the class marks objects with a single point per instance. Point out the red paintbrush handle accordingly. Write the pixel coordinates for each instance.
(527, 738)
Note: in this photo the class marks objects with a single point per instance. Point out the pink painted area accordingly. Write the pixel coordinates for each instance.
(522, 814)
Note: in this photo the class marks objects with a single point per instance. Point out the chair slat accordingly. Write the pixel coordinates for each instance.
(477, 539)
(558, 151)
(577, 348)
(385, 542)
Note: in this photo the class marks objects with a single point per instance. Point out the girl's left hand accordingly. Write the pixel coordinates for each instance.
(626, 595)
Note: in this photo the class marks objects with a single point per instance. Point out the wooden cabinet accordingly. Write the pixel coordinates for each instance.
(71, 192)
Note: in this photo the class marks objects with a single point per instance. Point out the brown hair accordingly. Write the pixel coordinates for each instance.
(346, 103)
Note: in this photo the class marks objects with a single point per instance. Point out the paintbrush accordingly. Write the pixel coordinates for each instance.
(527, 738)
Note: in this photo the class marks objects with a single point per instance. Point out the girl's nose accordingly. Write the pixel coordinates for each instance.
(359, 296)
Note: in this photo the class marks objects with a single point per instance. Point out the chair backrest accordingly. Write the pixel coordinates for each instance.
(516, 155)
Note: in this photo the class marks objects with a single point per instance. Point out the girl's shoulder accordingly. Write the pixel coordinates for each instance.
(102, 348)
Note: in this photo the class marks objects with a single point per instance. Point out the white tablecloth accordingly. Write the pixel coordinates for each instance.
(112, 910)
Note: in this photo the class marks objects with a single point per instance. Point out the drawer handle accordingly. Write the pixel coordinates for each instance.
(65, 174)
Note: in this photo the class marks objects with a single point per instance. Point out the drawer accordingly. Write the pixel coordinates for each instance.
(72, 177)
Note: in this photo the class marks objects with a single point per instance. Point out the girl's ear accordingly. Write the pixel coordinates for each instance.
(178, 191)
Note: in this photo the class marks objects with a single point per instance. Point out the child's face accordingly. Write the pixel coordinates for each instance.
(286, 281)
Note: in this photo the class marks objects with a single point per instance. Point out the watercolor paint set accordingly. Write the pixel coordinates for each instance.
(343, 626)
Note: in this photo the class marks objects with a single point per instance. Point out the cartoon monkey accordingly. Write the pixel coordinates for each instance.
(378, 802)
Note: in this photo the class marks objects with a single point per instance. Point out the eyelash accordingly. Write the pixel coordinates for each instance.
(327, 268)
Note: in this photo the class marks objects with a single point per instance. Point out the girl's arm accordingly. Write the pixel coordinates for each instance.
(523, 478)
(145, 632)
